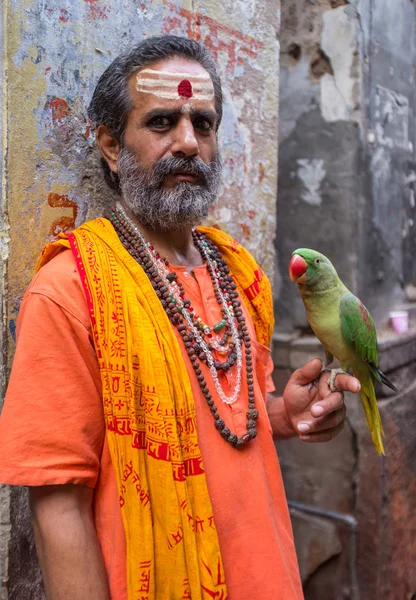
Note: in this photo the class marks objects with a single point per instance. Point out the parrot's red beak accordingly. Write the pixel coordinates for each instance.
(297, 268)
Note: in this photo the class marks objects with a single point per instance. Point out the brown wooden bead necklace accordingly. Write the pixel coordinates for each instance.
(198, 337)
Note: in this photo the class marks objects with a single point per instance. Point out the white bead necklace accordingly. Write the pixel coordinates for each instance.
(228, 312)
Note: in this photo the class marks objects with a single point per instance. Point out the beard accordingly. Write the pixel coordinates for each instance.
(162, 209)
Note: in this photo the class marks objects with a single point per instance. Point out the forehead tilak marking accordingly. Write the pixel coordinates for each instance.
(171, 83)
(187, 108)
(185, 89)
(183, 75)
(175, 86)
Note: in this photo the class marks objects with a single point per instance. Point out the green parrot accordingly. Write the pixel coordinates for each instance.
(344, 327)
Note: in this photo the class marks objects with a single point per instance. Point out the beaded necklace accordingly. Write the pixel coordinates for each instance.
(198, 337)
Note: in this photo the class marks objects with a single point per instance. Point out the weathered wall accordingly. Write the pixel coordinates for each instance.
(319, 203)
(347, 187)
(390, 215)
(354, 512)
(347, 134)
(54, 53)
(4, 493)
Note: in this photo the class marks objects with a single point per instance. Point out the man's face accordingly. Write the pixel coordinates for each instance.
(169, 167)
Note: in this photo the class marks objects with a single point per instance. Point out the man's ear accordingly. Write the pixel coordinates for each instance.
(108, 146)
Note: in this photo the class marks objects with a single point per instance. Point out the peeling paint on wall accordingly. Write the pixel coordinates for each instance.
(55, 54)
(54, 67)
(5, 526)
(392, 119)
(348, 97)
(340, 44)
(311, 173)
(300, 94)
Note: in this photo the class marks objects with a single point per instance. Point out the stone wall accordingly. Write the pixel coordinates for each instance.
(346, 188)
(390, 143)
(347, 137)
(353, 512)
(52, 55)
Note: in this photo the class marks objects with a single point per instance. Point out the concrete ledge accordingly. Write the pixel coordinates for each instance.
(397, 350)
(291, 351)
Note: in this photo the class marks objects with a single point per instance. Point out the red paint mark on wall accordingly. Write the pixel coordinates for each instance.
(245, 230)
(219, 37)
(87, 132)
(251, 214)
(64, 223)
(96, 10)
(59, 108)
(64, 16)
(261, 172)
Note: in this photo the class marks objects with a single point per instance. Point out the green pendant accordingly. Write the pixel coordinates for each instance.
(220, 325)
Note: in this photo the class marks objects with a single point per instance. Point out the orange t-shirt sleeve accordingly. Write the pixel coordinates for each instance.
(270, 387)
(52, 427)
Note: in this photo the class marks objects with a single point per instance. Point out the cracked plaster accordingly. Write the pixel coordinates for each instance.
(339, 42)
(54, 56)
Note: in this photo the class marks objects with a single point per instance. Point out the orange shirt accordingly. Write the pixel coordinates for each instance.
(52, 431)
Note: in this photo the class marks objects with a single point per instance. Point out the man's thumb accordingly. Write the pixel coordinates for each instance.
(308, 372)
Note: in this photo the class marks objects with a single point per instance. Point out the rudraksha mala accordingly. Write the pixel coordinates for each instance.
(197, 337)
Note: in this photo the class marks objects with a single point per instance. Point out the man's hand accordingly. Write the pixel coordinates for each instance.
(314, 412)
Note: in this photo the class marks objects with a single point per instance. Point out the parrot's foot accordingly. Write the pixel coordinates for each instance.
(331, 380)
(315, 382)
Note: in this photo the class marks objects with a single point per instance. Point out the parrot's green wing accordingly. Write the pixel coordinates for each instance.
(358, 328)
(359, 332)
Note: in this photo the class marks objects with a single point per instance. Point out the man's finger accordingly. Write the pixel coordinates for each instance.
(333, 402)
(347, 383)
(307, 373)
(330, 421)
(322, 436)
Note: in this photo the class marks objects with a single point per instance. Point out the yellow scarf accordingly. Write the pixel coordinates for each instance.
(172, 544)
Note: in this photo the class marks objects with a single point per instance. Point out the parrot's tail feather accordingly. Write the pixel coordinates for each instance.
(381, 378)
(387, 381)
(368, 398)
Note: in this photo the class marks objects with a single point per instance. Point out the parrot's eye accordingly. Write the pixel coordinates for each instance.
(317, 261)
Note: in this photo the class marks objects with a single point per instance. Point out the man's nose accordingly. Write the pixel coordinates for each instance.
(185, 142)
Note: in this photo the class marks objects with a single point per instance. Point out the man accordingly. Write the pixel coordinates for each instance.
(139, 410)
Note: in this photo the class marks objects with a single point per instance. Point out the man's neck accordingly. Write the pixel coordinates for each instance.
(175, 245)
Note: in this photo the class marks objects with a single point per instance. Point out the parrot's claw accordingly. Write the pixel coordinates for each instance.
(331, 380)
(313, 384)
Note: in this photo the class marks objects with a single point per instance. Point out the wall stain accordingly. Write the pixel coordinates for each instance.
(64, 223)
(96, 10)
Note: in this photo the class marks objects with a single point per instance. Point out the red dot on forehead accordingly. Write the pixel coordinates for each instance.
(185, 89)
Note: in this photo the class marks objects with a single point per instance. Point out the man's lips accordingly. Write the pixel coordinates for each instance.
(184, 177)
(180, 177)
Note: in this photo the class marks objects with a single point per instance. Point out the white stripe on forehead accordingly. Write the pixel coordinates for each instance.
(181, 75)
(177, 87)
(173, 95)
(152, 83)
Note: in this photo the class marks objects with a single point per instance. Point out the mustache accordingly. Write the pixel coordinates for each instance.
(189, 166)
(160, 208)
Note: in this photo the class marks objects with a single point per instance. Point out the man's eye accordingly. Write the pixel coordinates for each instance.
(203, 125)
(160, 122)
